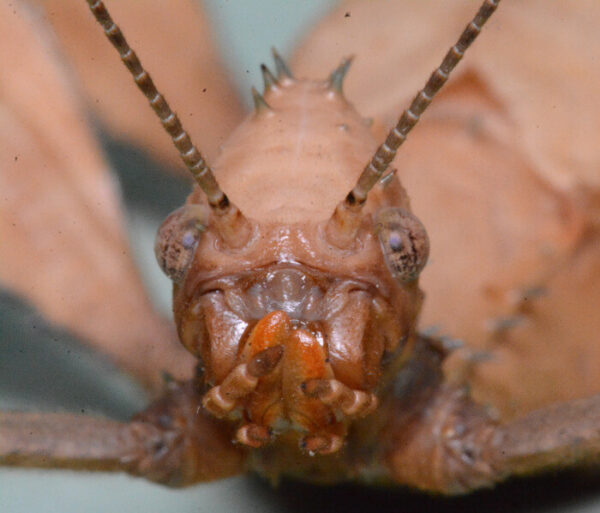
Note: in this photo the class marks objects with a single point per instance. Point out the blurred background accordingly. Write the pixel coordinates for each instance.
(44, 367)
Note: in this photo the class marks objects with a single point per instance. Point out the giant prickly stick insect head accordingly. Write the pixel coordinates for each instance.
(303, 317)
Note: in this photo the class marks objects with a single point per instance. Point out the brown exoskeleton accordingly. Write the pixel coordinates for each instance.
(303, 315)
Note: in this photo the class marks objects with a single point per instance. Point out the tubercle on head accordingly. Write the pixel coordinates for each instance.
(240, 234)
(344, 223)
(284, 77)
(233, 228)
(271, 82)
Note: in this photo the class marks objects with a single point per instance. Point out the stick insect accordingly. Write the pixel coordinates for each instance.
(343, 220)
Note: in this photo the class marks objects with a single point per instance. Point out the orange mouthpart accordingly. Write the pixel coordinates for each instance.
(269, 386)
(272, 330)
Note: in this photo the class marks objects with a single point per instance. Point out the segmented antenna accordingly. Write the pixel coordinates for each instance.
(345, 222)
(387, 151)
(187, 150)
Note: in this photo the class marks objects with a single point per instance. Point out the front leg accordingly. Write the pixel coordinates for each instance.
(174, 441)
(452, 445)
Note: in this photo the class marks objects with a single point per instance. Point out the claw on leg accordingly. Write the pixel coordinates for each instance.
(241, 381)
(353, 403)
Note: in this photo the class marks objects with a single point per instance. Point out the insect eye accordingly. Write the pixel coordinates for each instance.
(404, 242)
(177, 239)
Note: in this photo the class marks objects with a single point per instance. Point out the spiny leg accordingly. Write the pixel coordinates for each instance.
(174, 442)
(452, 445)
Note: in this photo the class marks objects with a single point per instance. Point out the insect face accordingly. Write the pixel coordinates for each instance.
(290, 300)
(296, 289)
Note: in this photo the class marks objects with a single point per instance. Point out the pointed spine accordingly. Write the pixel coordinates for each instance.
(280, 65)
(268, 78)
(260, 105)
(336, 79)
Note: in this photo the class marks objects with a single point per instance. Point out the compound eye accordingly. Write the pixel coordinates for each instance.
(177, 239)
(404, 243)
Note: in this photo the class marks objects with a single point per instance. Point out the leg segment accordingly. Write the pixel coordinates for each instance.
(558, 436)
(174, 442)
(65, 441)
(452, 446)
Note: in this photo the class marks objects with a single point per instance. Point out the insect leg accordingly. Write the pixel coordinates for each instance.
(174, 442)
(64, 441)
(558, 436)
(441, 447)
(453, 446)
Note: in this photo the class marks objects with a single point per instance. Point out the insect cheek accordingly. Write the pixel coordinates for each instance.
(177, 239)
(404, 243)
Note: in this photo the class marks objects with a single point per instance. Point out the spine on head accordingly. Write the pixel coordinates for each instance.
(343, 225)
(231, 223)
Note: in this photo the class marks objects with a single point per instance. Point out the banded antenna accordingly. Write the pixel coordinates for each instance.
(344, 224)
(232, 225)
